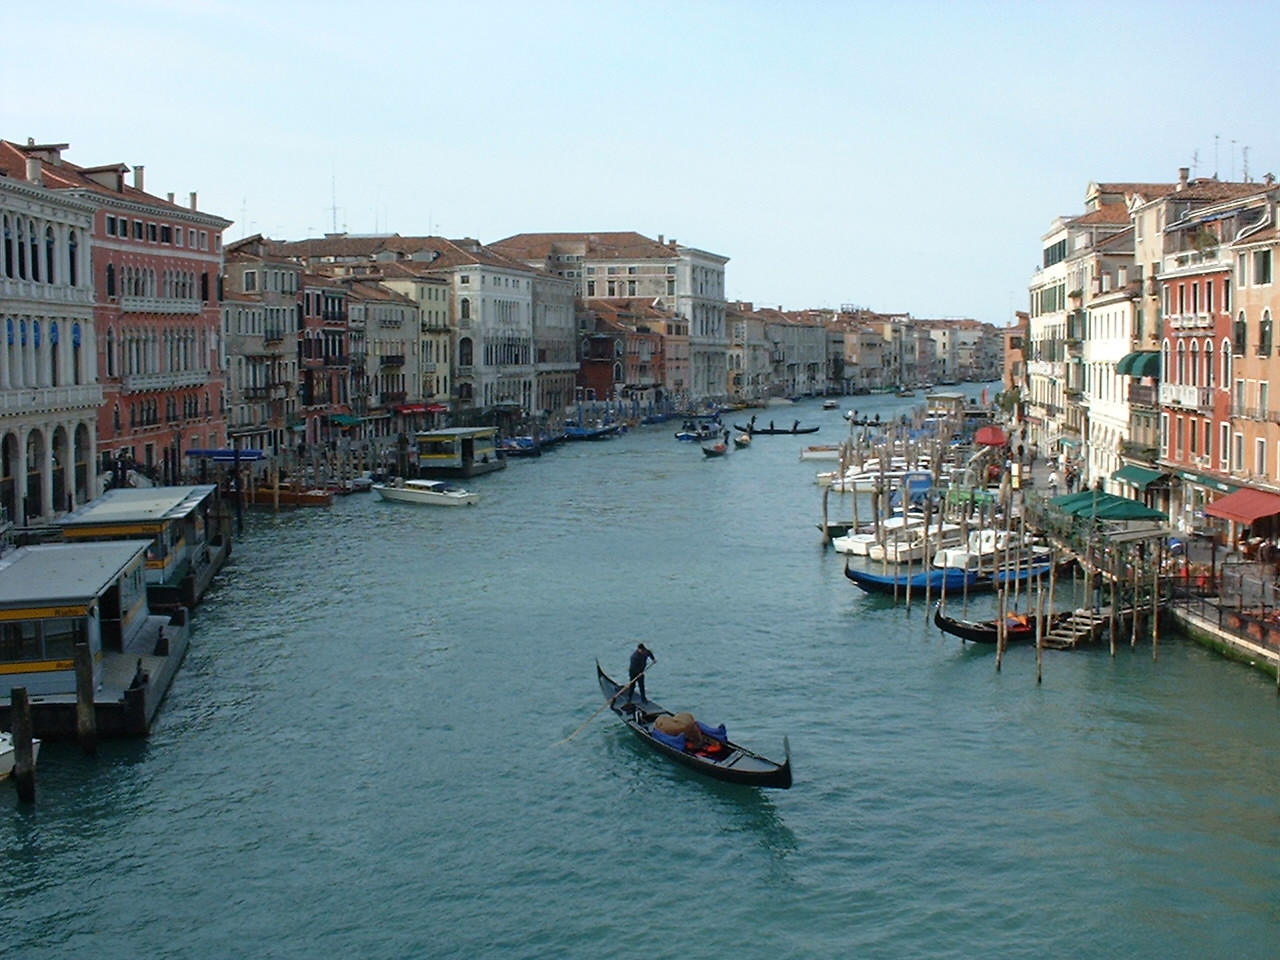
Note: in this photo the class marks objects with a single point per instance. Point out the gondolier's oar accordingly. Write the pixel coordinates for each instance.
(607, 703)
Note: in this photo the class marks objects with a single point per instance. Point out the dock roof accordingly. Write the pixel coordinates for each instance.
(59, 574)
(150, 504)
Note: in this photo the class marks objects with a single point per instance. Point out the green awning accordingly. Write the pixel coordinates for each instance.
(1142, 363)
(1105, 506)
(344, 419)
(1136, 476)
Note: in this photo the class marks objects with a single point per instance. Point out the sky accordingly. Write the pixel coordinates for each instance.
(899, 156)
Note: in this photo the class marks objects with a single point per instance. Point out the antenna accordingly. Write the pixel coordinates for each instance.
(1244, 164)
(333, 200)
(1195, 163)
(244, 206)
(1233, 160)
(1215, 156)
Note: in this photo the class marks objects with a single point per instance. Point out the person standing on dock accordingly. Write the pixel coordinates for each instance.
(1053, 483)
(640, 658)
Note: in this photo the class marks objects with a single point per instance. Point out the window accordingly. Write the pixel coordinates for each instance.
(591, 288)
(1237, 402)
(1264, 399)
(1240, 335)
(1264, 335)
(464, 278)
(1261, 266)
(111, 225)
(166, 233)
(1238, 456)
(250, 281)
(1224, 438)
(137, 229)
(151, 232)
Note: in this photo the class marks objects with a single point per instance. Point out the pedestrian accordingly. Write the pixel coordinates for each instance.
(1072, 476)
(1053, 483)
(640, 659)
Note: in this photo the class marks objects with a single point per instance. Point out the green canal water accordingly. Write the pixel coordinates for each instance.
(362, 755)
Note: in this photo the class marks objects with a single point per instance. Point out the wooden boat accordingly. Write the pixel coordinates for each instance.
(731, 763)
(827, 451)
(830, 404)
(717, 449)
(742, 440)
(1019, 628)
(288, 495)
(775, 431)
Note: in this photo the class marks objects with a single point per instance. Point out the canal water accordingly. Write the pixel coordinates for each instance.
(364, 753)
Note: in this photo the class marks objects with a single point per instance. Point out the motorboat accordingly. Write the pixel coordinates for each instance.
(859, 544)
(434, 492)
(830, 404)
(7, 752)
(829, 451)
(909, 547)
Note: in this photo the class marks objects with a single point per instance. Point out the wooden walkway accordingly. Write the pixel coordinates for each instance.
(1083, 626)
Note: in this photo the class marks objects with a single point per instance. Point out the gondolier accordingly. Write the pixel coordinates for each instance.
(640, 659)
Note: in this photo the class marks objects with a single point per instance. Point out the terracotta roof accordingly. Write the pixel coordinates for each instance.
(625, 245)
(64, 175)
(413, 253)
(364, 289)
(1107, 213)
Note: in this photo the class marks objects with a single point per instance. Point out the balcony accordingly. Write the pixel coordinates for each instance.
(160, 305)
(1259, 413)
(392, 396)
(391, 360)
(1191, 321)
(1185, 395)
(176, 380)
(466, 370)
(337, 360)
(256, 393)
(83, 396)
(1142, 395)
(13, 289)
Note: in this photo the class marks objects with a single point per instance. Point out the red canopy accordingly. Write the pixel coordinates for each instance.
(990, 436)
(1244, 506)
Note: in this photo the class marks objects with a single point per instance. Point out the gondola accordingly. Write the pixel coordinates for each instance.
(731, 763)
(717, 449)
(1019, 628)
(952, 579)
(775, 431)
(742, 440)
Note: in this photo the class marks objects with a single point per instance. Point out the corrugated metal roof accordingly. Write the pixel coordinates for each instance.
(64, 573)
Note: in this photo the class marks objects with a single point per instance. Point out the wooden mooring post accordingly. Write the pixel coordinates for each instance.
(86, 716)
(24, 761)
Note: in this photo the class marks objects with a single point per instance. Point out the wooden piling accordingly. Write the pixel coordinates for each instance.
(1155, 603)
(24, 759)
(86, 715)
(826, 530)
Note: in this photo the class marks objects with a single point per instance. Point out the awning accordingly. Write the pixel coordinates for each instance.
(1136, 476)
(1213, 483)
(1143, 363)
(1106, 506)
(412, 408)
(224, 455)
(437, 408)
(344, 419)
(1245, 506)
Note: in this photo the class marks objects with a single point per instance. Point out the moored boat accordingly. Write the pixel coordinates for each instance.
(712, 753)
(433, 492)
(952, 579)
(288, 495)
(7, 752)
(1019, 627)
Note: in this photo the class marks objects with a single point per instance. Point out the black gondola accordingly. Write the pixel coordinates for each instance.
(771, 431)
(1019, 628)
(732, 763)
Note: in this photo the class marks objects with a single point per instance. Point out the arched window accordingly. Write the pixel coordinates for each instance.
(48, 254)
(464, 309)
(111, 279)
(77, 360)
(20, 235)
(465, 349)
(111, 353)
(1164, 363)
(1264, 334)
(1240, 334)
(1182, 363)
(1226, 365)
(35, 251)
(1193, 369)
(1209, 371)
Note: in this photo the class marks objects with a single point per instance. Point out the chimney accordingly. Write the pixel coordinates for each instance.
(661, 240)
(35, 171)
(1269, 179)
(137, 178)
(1183, 173)
(193, 200)
(169, 196)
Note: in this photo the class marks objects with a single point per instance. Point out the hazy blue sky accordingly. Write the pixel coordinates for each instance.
(900, 156)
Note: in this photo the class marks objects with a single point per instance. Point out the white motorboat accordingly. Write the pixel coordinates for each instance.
(435, 492)
(830, 404)
(909, 546)
(859, 544)
(828, 451)
(987, 549)
(7, 753)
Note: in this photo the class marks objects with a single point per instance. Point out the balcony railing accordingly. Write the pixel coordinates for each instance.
(392, 396)
(1259, 413)
(48, 399)
(392, 360)
(1142, 394)
(160, 305)
(1191, 321)
(164, 381)
(1185, 395)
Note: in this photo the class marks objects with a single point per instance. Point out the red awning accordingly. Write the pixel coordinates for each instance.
(1245, 506)
(437, 408)
(412, 408)
(990, 436)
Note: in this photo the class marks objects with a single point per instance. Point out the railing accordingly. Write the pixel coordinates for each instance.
(1260, 413)
(1185, 395)
(465, 370)
(257, 393)
(391, 360)
(1143, 394)
(393, 396)
(42, 399)
(164, 381)
(46, 292)
(1191, 321)
(160, 305)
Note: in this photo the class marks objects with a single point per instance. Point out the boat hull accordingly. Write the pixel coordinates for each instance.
(7, 754)
(739, 765)
(458, 498)
(986, 631)
(949, 578)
